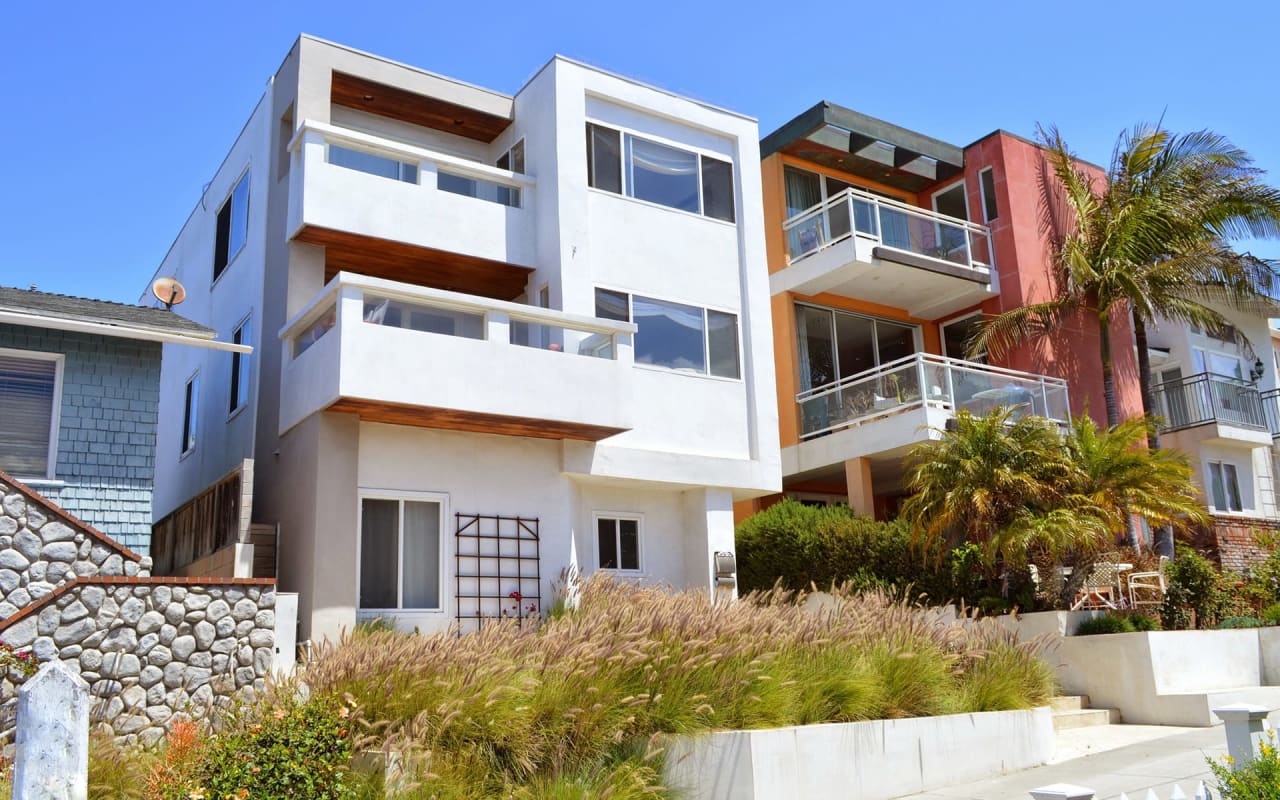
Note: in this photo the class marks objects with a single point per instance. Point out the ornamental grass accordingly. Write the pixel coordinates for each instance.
(579, 706)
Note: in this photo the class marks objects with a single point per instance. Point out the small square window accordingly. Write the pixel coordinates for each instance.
(618, 543)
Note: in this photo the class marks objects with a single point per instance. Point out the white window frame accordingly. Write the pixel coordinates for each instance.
(226, 200)
(55, 416)
(401, 496)
(638, 518)
(190, 433)
(699, 152)
(1226, 490)
(706, 340)
(982, 195)
(245, 366)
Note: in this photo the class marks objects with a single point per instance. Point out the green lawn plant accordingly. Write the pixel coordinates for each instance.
(1257, 780)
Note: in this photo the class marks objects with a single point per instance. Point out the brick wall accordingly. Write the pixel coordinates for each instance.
(1236, 541)
(107, 433)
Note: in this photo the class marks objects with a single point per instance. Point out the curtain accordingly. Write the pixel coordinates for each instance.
(26, 395)
(379, 556)
(802, 189)
(421, 555)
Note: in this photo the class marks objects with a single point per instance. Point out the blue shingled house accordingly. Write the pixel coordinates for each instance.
(79, 396)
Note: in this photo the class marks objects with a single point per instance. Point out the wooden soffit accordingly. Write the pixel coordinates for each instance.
(470, 421)
(421, 266)
(416, 109)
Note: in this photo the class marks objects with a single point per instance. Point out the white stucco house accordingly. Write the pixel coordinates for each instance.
(1217, 400)
(495, 337)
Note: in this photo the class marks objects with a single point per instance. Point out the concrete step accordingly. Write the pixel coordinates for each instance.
(1069, 702)
(1066, 720)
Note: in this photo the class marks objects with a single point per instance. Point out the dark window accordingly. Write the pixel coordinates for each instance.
(989, 208)
(675, 335)
(717, 189)
(618, 541)
(604, 158)
(189, 413)
(240, 369)
(613, 305)
(722, 344)
(28, 393)
(232, 226)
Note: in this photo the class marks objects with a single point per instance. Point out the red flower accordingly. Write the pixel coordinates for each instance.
(516, 596)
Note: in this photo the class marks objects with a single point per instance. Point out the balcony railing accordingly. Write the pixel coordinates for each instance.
(1271, 410)
(924, 380)
(382, 344)
(1207, 397)
(854, 212)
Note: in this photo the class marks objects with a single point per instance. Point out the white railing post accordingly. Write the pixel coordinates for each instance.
(1062, 791)
(1044, 398)
(51, 748)
(623, 350)
(1245, 725)
(951, 386)
(497, 327)
(921, 376)
(428, 175)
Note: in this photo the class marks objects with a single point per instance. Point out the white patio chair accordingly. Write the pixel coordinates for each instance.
(1099, 590)
(1150, 582)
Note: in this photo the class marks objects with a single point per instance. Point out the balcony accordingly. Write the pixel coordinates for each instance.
(410, 213)
(903, 402)
(1219, 408)
(861, 245)
(402, 354)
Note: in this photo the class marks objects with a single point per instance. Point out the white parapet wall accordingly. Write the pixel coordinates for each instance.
(872, 760)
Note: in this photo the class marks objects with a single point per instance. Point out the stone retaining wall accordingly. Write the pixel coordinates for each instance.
(42, 547)
(153, 649)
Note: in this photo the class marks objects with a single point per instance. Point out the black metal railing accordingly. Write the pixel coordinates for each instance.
(1207, 397)
(1271, 410)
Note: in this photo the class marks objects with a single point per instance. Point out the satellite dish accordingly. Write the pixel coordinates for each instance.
(168, 291)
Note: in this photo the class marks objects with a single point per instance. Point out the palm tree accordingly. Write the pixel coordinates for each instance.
(1002, 483)
(1153, 241)
(1014, 486)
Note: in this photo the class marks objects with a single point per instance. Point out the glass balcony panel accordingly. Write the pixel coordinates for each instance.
(479, 189)
(425, 318)
(313, 332)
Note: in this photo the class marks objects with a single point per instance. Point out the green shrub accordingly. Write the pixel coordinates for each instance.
(1240, 622)
(1271, 614)
(1143, 622)
(801, 545)
(1257, 780)
(1111, 623)
(1194, 593)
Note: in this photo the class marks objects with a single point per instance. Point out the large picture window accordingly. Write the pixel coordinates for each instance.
(675, 335)
(399, 554)
(30, 394)
(659, 173)
(232, 226)
(835, 345)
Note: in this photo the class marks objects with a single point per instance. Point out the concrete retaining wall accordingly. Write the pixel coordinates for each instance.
(153, 648)
(869, 760)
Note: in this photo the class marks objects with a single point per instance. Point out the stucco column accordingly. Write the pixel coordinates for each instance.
(708, 529)
(857, 476)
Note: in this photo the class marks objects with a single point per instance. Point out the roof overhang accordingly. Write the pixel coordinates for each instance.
(842, 139)
(118, 331)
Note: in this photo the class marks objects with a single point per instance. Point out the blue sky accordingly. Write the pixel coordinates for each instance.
(118, 114)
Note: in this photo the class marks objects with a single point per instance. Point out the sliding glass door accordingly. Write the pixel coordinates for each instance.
(836, 344)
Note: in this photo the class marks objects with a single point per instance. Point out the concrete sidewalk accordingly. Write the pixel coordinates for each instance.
(1120, 758)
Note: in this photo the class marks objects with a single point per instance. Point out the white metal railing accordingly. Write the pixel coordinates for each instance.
(924, 379)
(854, 212)
(428, 168)
(438, 312)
